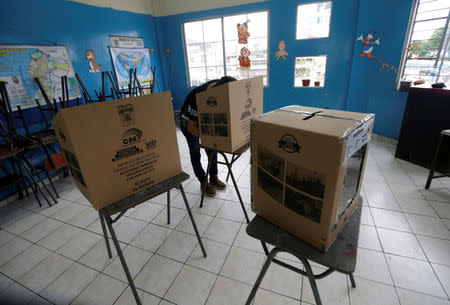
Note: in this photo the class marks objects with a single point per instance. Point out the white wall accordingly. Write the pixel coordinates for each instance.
(135, 6)
(165, 7)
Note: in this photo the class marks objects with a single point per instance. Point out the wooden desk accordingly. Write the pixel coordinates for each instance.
(427, 113)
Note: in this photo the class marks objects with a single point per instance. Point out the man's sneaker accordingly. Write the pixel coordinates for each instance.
(214, 181)
(209, 191)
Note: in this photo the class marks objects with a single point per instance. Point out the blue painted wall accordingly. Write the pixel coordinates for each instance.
(352, 83)
(372, 90)
(282, 20)
(79, 27)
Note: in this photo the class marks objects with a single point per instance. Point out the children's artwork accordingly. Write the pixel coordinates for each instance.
(168, 51)
(152, 50)
(368, 43)
(243, 33)
(281, 50)
(244, 61)
(90, 56)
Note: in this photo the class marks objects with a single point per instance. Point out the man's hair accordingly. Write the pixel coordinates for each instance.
(224, 80)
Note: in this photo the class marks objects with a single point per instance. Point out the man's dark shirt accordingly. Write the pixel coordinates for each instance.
(189, 109)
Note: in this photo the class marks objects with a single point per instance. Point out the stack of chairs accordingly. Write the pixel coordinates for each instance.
(17, 147)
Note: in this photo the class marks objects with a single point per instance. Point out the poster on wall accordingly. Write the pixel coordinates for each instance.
(126, 41)
(125, 59)
(21, 64)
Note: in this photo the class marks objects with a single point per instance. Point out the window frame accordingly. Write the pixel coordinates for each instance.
(406, 43)
(329, 23)
(221, 17)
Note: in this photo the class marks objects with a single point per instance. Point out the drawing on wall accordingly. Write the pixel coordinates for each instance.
(90, 56)
(281, 50)
(152, 50)
(243, 33)
(125, 59)
(168, 51)
(21, 64)
(244, 60)
(371, 40)
(368, 43)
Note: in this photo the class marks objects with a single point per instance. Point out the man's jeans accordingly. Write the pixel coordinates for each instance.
(194, 150)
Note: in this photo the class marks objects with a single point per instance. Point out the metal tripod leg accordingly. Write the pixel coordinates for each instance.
(232, 160)
(210, 156)
(265, 267)
(122, 259)
(105, 233)
(236, 187)
(168, 207)
(352, 280)
(192, 219)
(312, 280)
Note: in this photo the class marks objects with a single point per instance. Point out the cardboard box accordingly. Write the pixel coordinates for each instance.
(307, 169)
(117, 148)
(225, 113)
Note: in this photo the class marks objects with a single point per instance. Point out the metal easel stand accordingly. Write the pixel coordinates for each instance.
(122, 206)
(341, 256)
(308, 273)
(235, 155)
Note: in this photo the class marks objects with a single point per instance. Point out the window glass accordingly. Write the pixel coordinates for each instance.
(313, 20)
(310, 71)
(206, 52)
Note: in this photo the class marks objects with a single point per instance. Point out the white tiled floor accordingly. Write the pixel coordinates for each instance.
(57, 255)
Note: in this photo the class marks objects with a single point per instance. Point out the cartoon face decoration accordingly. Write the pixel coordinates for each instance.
(90, 56)
(368, 42)
(244, 61)
(243, 33)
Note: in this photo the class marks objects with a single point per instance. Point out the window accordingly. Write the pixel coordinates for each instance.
(313, 20)
(212, 48)
(310, 71)
(426, 55)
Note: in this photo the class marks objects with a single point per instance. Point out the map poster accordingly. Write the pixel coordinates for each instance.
(21, 64)
(125, 59)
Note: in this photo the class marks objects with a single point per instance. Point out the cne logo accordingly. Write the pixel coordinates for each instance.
(131, 136)
(289, 144)
(211, 101)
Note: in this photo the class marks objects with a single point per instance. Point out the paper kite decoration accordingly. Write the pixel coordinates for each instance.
(368, 44)
(281, 50)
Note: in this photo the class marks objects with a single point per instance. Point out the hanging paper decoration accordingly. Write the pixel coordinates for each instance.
(281, 50)
(243, 33)
(90, 56)
(244, 61)
(368, 44)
